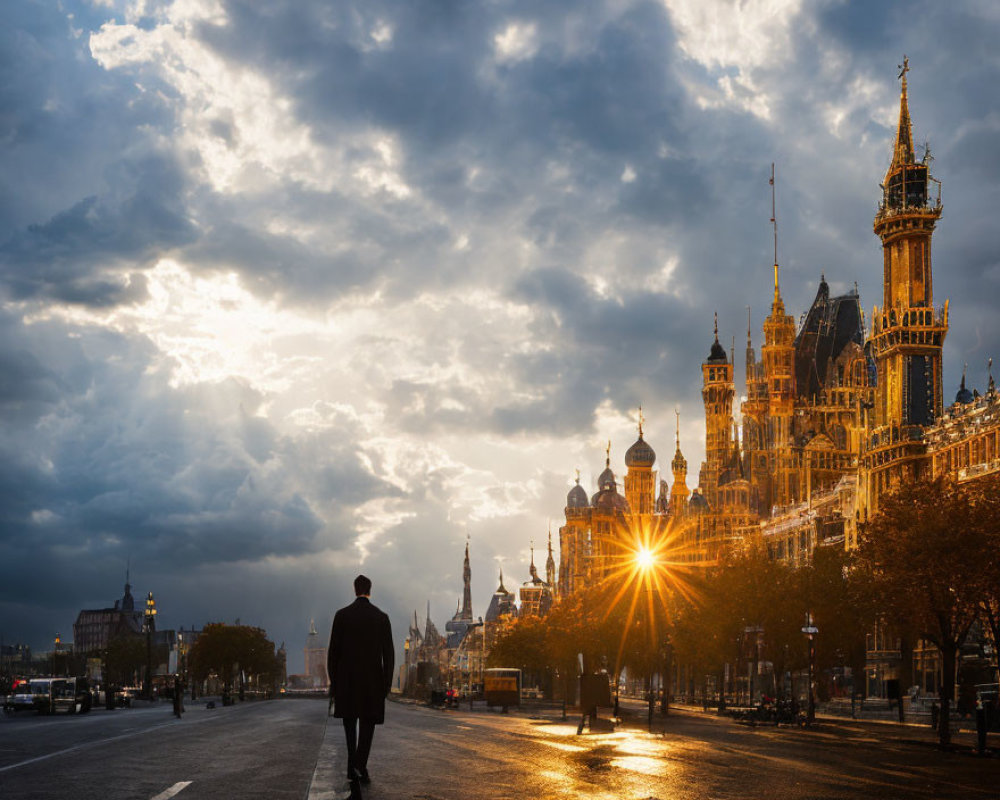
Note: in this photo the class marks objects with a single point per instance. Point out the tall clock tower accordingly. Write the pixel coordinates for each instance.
(907, 333)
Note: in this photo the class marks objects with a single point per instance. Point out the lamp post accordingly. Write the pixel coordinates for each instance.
(150, 624)
(810, 631)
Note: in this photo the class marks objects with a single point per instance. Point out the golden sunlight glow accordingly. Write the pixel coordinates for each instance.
(649, 568)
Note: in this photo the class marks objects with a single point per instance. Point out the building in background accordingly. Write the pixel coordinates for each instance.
(94, 628)
(315, 653)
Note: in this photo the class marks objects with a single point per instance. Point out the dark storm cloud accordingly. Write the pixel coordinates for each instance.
(558, 182)
(84, 255)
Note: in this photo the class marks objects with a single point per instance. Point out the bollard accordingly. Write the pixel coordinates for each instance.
(980, 728)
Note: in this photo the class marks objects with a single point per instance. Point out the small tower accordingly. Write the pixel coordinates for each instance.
(550, 564)
(574, 544)
(679, 493)
(717, 394)
(640, 480)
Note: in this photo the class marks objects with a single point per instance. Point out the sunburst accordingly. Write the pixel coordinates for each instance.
(646, 565)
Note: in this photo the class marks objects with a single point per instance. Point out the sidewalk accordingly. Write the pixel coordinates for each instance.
(962, 738)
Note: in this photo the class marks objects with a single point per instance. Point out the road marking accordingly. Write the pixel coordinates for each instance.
(129, 735)
(175, 789)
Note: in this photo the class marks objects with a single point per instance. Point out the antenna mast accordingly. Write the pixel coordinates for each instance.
(774, 216)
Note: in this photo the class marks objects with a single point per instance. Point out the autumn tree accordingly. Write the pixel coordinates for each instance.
(921, 555)
(985, 495)
(223, 649)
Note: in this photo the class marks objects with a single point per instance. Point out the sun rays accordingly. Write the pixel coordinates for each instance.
(647, 570)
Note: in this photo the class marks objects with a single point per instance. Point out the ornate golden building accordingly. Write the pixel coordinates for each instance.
(833, 414)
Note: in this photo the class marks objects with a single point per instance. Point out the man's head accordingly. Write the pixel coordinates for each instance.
(362, 586)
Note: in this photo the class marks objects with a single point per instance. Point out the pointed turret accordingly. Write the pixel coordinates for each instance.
(467, 586)
(963, 395)
(717, 394)
(903, 151)
(679, 493)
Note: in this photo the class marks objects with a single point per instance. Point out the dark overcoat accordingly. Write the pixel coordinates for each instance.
(360, 661)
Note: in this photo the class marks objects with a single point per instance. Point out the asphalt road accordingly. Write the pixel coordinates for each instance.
(250, 750)
(286, 749)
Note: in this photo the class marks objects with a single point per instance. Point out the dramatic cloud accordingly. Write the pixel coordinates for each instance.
(294, 289)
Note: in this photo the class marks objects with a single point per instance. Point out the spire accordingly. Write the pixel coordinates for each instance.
(607, 456)
(679, 463)
(466, 585)
(716, 327)
(312, 628)
(532, 570)
(550, 563)
(640, 420)
(777, 307)
(992, 387)
(749, 339)
(903, 151)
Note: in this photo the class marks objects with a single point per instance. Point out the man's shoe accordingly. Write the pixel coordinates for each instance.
(364, 777)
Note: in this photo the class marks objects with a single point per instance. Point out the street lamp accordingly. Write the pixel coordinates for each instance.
(810, 631)
(150, 624)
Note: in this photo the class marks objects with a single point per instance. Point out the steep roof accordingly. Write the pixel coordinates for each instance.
(829, 326)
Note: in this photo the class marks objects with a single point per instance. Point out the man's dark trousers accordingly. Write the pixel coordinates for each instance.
(358, 746)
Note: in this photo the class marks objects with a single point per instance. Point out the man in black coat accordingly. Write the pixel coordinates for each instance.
(360, 664)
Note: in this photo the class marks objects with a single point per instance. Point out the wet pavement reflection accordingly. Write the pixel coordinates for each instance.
(457, 755)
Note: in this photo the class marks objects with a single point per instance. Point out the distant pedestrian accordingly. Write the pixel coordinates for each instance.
(178, 697)
(360, 665)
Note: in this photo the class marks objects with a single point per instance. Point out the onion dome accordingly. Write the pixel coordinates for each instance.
(577, 497)
(607, 478)
(640, 454)
(718, 353)
(964, 395)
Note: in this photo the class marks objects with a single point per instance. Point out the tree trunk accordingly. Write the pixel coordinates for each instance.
(948, 655)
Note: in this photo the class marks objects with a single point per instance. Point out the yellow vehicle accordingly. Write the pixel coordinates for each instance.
(502, 687)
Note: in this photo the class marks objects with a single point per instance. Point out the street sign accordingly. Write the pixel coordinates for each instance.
(811, 630)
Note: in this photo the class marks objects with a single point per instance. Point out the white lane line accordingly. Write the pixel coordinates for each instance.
(130, 735)
(175, 789)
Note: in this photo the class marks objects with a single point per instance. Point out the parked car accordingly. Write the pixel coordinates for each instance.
(20, 698)
(71, 695)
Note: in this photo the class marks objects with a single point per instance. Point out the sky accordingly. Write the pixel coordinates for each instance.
(292, 290)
